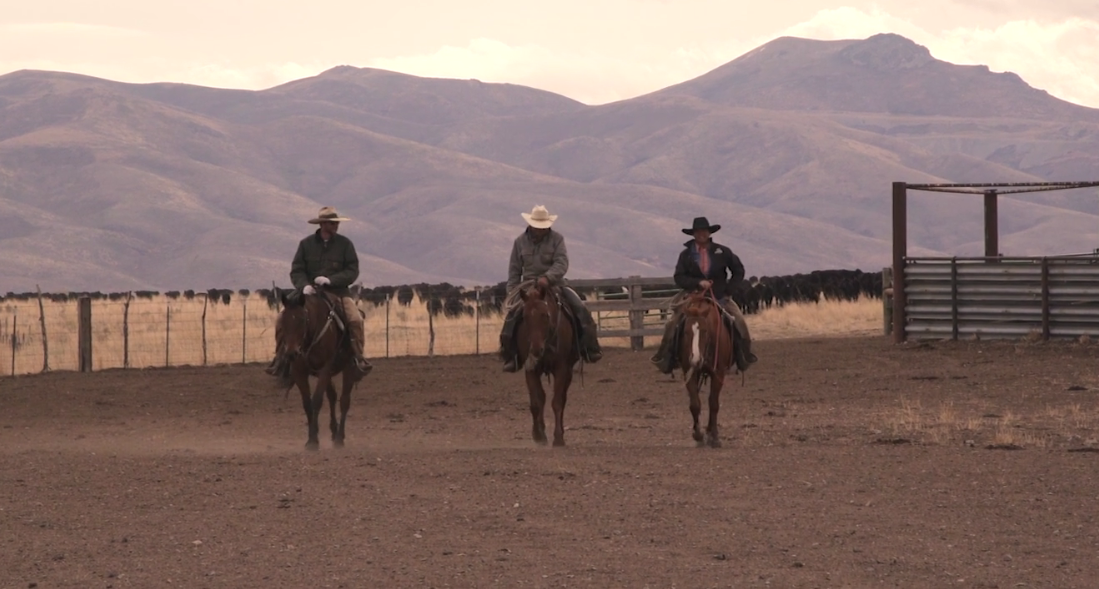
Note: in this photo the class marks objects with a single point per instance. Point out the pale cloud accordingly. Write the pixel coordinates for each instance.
(590, 77)
(593, 59)
(200, 74)
(1059, 57)
(67, 29)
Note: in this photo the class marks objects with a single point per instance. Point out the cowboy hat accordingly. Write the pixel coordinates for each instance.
(539, 217)
(701, 223)
(328, 214)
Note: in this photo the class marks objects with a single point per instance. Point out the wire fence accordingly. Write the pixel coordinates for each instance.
(40, 334)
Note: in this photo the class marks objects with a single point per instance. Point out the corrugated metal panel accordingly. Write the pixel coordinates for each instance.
(1007, 298)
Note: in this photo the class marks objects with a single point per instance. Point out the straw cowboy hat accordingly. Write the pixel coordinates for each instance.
(701, 223)
(328, 214)
(539, 217)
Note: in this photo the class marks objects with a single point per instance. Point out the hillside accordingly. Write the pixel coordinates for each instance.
(792, 147)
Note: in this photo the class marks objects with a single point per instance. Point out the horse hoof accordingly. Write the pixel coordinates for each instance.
(559, 443)
(715, 443)
(312, 446)
(337, 443)
(698, 436)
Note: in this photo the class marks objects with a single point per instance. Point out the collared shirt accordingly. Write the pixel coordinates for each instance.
(701, 256)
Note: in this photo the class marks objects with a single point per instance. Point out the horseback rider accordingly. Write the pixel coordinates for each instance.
(539, 254)
(708, 267)
(327, 259)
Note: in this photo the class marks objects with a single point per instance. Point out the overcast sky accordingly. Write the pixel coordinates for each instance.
(595, 51)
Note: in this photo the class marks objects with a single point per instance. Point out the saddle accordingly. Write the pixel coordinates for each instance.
(727, 320)
(515, 310)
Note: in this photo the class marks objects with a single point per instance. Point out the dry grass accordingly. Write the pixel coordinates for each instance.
(168, 332)
(978, 426)
(826, 318)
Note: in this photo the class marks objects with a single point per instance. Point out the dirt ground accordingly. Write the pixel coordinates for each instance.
(846, 463)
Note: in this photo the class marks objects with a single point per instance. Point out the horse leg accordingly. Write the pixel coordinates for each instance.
(324, 380)
(560, 397)
(301, 378)
(537, 406)
(332, 409)
(713, 438)
(345, 404)
(695, 403)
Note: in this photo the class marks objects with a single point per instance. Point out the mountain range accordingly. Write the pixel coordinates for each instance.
(791, 147)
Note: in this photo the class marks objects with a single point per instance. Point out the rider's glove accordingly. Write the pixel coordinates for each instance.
(321, 281)
(309, 289)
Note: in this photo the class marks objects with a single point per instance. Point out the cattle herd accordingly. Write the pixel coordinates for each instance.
(753, 294)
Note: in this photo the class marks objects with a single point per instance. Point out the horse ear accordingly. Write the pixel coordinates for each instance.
(281, 294)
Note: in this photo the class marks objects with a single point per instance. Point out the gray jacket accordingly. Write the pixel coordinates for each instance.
(530, 259)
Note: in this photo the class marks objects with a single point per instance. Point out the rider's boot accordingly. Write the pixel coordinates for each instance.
(507, 343)
(358, 343)
(589, 340)
(743, 352)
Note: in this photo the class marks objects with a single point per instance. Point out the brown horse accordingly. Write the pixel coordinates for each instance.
(705, 351)
(547, 345)
(312, 339)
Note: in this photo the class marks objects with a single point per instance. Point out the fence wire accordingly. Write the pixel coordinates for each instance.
(162, 331)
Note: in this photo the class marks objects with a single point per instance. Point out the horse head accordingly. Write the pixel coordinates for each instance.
(540, 315)
(702, 328)
(295, 325)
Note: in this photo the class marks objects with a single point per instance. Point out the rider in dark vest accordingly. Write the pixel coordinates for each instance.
(708, 267)
(540, 254)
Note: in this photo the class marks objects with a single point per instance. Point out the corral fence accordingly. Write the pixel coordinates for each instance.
(39, 333)
(993, 295)
(1000, 297)
(142, 329)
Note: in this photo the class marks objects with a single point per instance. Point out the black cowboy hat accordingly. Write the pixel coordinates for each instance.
(701, 223)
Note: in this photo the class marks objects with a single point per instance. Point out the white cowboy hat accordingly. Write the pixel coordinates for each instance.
(328, 214)
(539, 217)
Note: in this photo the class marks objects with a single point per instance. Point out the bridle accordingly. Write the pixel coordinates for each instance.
(716, 311)
(549, 343)
(330, 319)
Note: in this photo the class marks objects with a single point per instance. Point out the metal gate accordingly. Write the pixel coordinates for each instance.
(1048, 297)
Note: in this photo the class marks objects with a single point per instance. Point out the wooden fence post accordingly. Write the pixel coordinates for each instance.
(637, 318)
(14, 340)
(84, 332)
(887, 299)
(430, 327)
(42, 323)
(205, 303)
(387, 297)
(477, 323)
(244, 332)
(126, 330)
(167, 332)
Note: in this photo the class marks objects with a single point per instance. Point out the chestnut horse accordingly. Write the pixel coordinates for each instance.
(705, 352)
(547, 345)
(312, 339)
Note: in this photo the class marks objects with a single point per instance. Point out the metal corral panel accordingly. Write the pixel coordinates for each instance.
(1002, 298)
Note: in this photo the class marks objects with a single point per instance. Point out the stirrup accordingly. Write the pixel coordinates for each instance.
(363, 365)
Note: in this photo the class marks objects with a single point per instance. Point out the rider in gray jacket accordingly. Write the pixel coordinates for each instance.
(539, 254)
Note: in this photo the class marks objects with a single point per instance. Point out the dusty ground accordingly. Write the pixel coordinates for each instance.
(847, 463)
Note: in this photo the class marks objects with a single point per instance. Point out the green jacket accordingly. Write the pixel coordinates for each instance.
(534, 259)
(336, 259)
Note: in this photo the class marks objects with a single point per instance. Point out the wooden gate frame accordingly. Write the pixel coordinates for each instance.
(991, 192)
